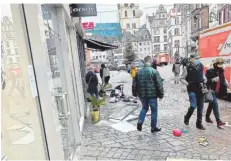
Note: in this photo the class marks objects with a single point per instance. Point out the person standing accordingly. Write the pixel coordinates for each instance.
(149, 87)
(215, 77)
(92, 81)
(154, 63)
(193, 78)
(106, 74)
(176, 71)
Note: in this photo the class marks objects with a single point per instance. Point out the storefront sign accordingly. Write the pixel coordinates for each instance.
(83, 10)
(88, 25)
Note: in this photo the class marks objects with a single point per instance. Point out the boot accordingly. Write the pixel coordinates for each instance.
(188, 115)
(199, 125)
(220, 123)
(139, 126)
(207, 116)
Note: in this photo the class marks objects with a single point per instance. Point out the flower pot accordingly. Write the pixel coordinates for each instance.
(95, 116)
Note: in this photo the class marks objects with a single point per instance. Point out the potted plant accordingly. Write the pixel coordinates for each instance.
(102, 92)
(95, 112)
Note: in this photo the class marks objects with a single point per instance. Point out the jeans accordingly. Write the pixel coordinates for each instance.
(197, 101)
(213, 106)
(152, 102)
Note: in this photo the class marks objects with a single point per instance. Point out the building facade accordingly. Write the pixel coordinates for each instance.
(129, 17)
(100, 55)
(199, 20)
(158, 25)
(174, 21)
(224, 13)
(43, 100)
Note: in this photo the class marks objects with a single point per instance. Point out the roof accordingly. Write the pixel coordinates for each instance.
(93, 44)
(142, 35)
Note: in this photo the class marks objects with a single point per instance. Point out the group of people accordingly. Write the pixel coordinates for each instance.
(92, 79)
(148, 86)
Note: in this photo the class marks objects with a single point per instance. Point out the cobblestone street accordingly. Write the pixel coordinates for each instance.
(103, 142)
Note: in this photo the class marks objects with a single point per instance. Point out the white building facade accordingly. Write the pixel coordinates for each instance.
(129, 17)
(158, 25)
(175, 33)
(98, 55)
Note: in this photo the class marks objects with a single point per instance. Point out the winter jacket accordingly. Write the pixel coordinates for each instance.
(220, 87)
(92, 81)
(194, 77)
(148, 83)
(176, 68)
(106, 72)
(133, 72)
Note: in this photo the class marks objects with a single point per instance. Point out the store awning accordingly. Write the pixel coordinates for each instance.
(97, 45)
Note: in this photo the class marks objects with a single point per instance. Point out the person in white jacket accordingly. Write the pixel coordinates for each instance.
(106, 74)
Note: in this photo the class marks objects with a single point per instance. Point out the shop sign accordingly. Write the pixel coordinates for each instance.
(83, 10)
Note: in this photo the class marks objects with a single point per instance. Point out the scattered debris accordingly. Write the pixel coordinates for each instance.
(203, 141)
(124, 126)
(184, 131)
(227, 124)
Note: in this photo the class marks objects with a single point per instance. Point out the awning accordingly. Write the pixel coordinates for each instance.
(93, 44)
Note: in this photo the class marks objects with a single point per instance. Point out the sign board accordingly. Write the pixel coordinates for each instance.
(106, 29)
(88, 25)
(83, 10)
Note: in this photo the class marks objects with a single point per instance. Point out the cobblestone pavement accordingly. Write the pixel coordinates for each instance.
(103, 142)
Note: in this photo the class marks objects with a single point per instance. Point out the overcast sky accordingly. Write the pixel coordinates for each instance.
(103, 17)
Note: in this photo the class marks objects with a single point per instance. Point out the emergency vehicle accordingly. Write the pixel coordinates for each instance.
(162, 59)
(216, 43)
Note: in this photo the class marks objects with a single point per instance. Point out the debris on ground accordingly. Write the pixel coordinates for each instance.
(203, 141)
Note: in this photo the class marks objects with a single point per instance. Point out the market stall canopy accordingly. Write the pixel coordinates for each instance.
(93, 44)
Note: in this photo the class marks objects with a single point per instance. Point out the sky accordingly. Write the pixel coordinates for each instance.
(107, 17)
(103, 17)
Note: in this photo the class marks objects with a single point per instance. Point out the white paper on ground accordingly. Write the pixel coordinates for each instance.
(124, 126)
(104, 122)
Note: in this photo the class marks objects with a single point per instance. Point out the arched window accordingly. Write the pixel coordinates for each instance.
(134, 13)
(126, 14)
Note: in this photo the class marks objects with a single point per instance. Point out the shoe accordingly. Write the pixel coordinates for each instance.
(155, 130)
(139, 126)
(188, 115)
(220, 123)
(200, 126)
(208, 119)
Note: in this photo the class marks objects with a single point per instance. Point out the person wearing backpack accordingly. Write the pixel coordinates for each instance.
(92, 82)
(215, 79)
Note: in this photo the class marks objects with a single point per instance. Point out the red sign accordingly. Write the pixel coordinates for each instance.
(88, 25)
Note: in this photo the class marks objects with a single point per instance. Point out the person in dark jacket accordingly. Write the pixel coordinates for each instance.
(149, 87)
(213, 76)
(193, 78)
(154, 63)
(92, 81)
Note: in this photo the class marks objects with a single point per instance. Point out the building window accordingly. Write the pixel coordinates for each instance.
(229, 12)
(103, 56)
(15, 43)
(170, 34)
(165, 47)
(165, 39)
(163, 15)
(176, 31)
(140, 44)
(16, 51)
(144, 43)
(93, 57)
(100, 56)
(156, 31)
(161, 22)
(134, 13)
(96, 57)
(8, 51)
(156, 48)
(176, 43)
(125, 5)
(128, 26)
(144, 49)
(7, 44)
(220, 18)
(148, 43)
(126, 13)
(156, 39)
(226, 15)
(177, 21)
(165, 30)
(133, 25)
(148, 48)
(10, 60)
(140, 49)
